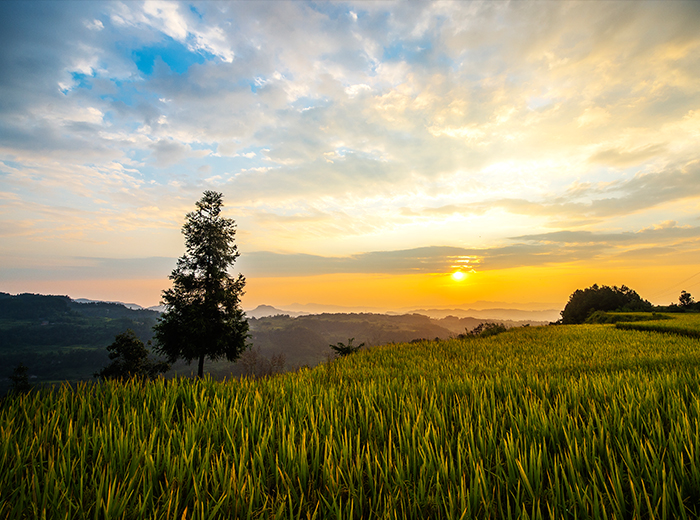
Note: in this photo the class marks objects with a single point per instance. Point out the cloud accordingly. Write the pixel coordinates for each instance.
(667, 231)
(167, 152)
(375, 123)
(528, 250)
(593, 116)
(425, 260)
(618, 157)
(88, 268)
(419, 260)
(602, 200)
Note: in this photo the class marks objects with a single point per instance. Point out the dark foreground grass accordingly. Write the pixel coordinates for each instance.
(555, 422)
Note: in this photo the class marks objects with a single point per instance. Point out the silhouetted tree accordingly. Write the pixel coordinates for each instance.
(20, 379)
(584, 302)
(686, 299)
(203, 317)
(344, 350)
(130, 359)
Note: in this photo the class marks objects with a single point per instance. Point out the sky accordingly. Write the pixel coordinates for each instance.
(367, 151)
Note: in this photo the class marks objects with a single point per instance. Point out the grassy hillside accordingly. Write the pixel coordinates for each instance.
(586, 421)
(686, 324)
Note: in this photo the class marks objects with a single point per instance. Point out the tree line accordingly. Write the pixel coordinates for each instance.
(583, 303)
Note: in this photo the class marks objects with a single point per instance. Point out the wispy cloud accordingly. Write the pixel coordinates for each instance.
(524, 251)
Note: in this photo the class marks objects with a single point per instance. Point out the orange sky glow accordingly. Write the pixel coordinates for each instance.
(366, 150)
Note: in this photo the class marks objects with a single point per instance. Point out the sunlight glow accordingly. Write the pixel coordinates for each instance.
(458, 276)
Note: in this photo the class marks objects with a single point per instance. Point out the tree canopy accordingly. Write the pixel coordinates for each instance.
(203, 317)
(686, 299)
(584, 302)
(130, 359)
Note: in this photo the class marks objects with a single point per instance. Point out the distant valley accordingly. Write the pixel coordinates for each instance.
(63, 339)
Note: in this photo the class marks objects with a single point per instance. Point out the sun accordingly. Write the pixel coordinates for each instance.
(458, 276)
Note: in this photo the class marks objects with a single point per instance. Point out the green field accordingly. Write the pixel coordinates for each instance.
(582, 421)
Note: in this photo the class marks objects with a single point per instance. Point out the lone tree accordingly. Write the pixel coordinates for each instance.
(203, 317)
(130, 359)
(582, 303)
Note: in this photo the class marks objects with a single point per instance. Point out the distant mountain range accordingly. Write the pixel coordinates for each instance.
(132, 306)
(494, 314)
(264, 311)
(547, 315)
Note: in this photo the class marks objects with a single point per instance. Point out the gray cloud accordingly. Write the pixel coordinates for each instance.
(435, 259)
(361, 118)
(167, 152)
(649, 235)
(419, 260)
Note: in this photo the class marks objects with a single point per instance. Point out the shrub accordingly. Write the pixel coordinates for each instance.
(344, 350)
(484, 330)
(20, 379)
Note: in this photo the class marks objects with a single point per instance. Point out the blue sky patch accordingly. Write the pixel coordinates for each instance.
(410, 51)
(82, 80)
(174, 54)
(12, 164)
(196, 12)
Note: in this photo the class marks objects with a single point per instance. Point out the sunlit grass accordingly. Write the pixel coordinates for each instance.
(555, 422)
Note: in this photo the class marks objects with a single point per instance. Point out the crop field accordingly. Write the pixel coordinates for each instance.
(686, 324)
(582, 421)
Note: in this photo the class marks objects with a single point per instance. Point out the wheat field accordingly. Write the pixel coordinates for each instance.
(582, 421)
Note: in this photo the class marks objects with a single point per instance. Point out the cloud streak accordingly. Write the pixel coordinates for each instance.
(526, 251)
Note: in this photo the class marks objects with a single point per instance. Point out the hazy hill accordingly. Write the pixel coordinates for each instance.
(263, 311)
(306, 339)
(484, 312)
(546, 315)
(63, 339)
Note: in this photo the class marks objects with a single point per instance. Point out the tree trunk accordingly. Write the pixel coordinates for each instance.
(200, 372)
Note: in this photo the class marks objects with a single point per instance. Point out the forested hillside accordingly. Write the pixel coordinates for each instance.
(60, 339)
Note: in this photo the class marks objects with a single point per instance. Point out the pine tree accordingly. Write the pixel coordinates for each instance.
(203, 317)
